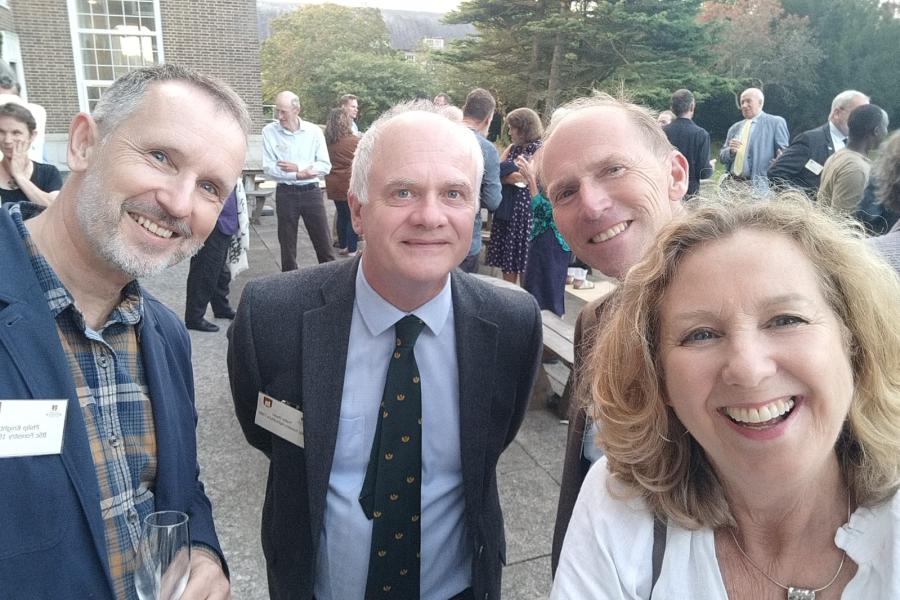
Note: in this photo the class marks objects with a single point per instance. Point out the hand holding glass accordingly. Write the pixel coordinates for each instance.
(164, 556)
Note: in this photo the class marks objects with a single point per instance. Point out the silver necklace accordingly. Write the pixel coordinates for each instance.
(795, 593)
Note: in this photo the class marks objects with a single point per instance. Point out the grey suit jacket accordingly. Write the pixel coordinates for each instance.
(768, 136)
(290, 340)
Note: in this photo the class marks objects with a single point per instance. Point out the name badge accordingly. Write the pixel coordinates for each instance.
(813, 167)
(31, 427)
(279, 418)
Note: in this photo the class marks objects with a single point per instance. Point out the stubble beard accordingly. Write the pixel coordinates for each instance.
(101, 221)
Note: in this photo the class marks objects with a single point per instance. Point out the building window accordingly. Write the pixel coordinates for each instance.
(11, 52)
(433, 43)
(111, 38)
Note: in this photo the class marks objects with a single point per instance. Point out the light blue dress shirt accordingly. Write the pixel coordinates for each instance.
(837, 137)
(343, 559)
(305, 147)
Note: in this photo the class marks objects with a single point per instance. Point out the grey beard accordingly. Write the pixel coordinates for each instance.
(101, 222)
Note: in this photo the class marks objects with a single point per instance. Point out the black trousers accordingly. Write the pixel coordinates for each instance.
(292, 203)
(208, 278)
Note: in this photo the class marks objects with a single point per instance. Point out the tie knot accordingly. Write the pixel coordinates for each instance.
(407, 330)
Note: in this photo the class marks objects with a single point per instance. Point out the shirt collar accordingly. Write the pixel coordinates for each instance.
(130, 309)
(287, 131)
(756, 118)
(379, 315)
(837, 137)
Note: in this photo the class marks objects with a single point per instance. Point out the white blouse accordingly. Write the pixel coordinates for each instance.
(609, 543)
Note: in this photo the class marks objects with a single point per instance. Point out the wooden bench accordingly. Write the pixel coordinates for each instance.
(559, 338)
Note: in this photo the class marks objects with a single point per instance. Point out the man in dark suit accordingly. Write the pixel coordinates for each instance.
(316, 349)
(150, 169)
(690, 139)
(801, 163)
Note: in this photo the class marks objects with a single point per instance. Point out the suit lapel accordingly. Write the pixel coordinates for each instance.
(158, 361)
(829, 143)
(29, 339)
(326, 333)
(476, 355)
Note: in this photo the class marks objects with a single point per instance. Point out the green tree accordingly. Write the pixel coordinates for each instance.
(379, 80)
(323, 51)
(498, 57)
(859, 42)
(542, 52)
(762, 46)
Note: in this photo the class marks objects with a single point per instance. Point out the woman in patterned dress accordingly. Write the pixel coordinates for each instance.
(511, 226)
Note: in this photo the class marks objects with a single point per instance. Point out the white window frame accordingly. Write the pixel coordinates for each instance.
(81, 82)
(12, 54)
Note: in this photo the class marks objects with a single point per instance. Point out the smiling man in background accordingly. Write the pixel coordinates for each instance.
(150, 170)
(614, 181)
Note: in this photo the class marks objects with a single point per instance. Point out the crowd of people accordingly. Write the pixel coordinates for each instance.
(735, 424)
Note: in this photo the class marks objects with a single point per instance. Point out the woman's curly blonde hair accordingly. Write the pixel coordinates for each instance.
(646, 445)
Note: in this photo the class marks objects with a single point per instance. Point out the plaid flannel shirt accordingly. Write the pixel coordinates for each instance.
(112, 392)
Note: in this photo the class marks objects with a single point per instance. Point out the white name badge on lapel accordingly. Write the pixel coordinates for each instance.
(279, 418)
(813, 167)
(31, 427)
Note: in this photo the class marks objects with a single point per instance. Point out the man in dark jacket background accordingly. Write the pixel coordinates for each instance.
(690, 139)
(801, 163)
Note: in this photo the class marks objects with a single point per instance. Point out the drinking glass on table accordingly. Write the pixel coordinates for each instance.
(164, 556)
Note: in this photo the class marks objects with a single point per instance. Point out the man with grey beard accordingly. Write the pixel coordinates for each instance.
(94, 372)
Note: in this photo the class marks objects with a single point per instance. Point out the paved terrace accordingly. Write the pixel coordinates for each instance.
(529, 471)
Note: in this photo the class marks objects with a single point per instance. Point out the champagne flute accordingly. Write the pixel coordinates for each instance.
(164, 556)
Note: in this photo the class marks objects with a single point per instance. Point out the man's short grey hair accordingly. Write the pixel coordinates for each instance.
(844, 99)
(454, 113)
(641, 117)
(365, 151)
(125, 95)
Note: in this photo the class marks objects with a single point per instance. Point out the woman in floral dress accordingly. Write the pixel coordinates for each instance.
(511, 225)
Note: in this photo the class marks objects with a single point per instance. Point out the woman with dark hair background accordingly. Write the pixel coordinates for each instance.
(20, 177)
(341, 144)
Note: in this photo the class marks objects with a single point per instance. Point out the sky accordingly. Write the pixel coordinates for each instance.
(438, 6)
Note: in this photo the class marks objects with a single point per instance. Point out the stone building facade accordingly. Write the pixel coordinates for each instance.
(66, 52)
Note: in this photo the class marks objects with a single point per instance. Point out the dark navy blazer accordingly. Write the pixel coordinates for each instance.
(52, 540)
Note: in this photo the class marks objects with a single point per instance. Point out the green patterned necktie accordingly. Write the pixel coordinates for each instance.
(391, 495)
